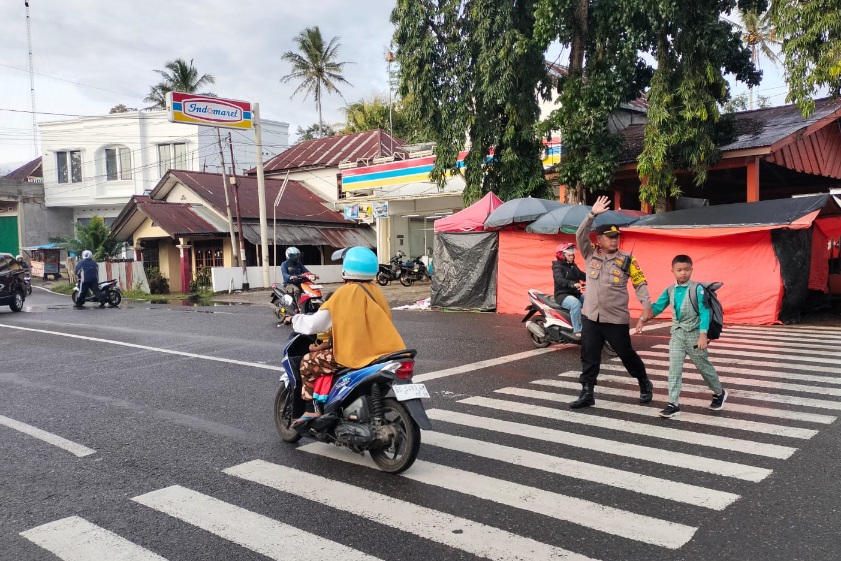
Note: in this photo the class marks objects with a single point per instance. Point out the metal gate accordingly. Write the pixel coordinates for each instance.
(9, 241)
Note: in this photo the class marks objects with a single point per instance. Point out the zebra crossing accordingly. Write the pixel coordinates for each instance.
(519, 449)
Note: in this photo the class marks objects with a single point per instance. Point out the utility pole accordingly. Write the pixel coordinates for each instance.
(31, 79)
(227, 200)
(274, 216)
(245, 283)
(261, 192)
(389, 57)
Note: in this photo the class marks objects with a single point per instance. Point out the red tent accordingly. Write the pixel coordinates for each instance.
(472, 218)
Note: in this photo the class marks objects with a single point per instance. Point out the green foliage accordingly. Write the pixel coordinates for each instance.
(373, 113)
(179, 76)
(203, 280)
(95, 236)
(811, 35)
(315, 66)
(473, 66)
(314, 131)
(158, 284)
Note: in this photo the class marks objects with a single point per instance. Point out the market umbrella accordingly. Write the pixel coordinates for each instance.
(568, 218)
(520, 210)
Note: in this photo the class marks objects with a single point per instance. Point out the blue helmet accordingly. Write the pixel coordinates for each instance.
(293, 254)
(360, 263)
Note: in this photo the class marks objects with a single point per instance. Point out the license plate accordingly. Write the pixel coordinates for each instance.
(404, 392)
(316, 286)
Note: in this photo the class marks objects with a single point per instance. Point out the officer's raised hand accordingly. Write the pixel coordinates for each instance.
(601, 205)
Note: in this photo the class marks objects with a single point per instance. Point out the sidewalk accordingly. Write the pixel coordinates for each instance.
(396, 293)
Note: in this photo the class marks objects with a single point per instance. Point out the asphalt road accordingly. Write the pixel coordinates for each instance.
(170, 452)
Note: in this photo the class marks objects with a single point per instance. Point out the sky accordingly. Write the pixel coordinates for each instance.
(91, 55)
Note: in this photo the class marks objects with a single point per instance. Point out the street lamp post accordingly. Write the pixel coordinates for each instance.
(389, 57)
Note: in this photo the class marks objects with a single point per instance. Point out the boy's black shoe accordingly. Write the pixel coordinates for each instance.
(718, 400)
(646, 390)
(670, 411)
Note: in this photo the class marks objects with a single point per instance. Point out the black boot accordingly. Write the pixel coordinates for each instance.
(646, 390)
(585, 398)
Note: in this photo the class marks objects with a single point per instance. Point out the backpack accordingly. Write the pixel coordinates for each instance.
(713, 305)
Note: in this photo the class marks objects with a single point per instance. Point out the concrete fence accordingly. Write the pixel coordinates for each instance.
(225, 279)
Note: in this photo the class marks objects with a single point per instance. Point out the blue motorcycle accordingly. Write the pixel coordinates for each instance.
(376, 408)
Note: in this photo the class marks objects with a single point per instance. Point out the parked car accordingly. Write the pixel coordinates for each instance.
(12, 284)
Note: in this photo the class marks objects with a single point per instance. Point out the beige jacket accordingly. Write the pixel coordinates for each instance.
(606, 298)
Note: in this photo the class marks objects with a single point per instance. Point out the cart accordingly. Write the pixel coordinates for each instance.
(45, 260)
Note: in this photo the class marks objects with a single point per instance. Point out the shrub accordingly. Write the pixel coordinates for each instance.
(202, 282)
(158, 284)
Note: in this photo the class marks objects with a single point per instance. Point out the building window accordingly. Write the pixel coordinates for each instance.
(69, 166)
(171, 156)
(117, 163)
(208, 254)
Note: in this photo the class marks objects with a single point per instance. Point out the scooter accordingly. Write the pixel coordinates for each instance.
(27, 282)
(309, 302)
(551, 323)
(392, 271)
(414, 270)
(376, 408)
(109, 290)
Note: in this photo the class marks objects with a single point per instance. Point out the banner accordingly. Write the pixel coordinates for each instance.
(351, 212)
(381, 209)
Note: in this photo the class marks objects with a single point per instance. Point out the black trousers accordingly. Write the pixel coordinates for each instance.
(618, 335)
(83, 293)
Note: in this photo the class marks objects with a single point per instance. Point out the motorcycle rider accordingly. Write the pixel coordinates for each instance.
(293, 273)
(360, 319)
(88, 272)
(22, 262)
(568, 284)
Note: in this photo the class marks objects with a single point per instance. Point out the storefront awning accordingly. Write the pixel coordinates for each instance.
(312, 235)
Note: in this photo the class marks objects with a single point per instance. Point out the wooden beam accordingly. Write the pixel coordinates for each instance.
(753, 180)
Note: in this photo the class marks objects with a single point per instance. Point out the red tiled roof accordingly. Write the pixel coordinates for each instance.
(333, 150)
(176, 219)
(298, 203)
(29, 169)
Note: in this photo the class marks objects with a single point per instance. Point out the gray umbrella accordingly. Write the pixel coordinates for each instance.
(568, 218)
(520, 210)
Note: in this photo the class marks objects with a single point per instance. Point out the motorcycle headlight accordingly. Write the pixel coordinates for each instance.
(287, 300)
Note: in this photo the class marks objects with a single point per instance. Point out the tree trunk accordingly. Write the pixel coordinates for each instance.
(579, 38)
(662, 205)
(575, 195)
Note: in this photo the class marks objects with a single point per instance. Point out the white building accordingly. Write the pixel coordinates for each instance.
(94, 165)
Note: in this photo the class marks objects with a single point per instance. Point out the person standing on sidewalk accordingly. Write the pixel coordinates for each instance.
(689, 335)
(605, 316)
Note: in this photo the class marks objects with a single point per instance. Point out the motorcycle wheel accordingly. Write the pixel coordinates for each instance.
(539, 342)
(403, 450)
(114, 299)
(382, 279)
(74, 296)
(283, 416)
(609, 349)
(406, 281)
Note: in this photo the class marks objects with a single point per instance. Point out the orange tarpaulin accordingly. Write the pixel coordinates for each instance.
(745, 263)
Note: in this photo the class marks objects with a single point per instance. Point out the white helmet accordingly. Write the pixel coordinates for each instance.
(87, 254)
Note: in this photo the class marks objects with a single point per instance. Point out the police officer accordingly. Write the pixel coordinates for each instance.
(605, 316)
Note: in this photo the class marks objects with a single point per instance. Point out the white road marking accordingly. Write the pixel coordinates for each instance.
(148, 348)
(741, 408)
(251, 530)
(744, 394)
(775, 349)
(653, 431)
(621, 479)
(781, 344)
(605, 446)
(76, 539)
(577, 511)
(685, 417)
(453, 531)
(722, 353)
(755, 382)
(811, 330)
(76, 449)
(724, 369)
(759, 363)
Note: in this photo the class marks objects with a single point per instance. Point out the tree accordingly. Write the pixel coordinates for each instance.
(95, 236)
(758, 35)
(373, 113)
(121, 109)
(471, 68)
(315, 130)
(315, 66)
(179, 76)
(811, 47)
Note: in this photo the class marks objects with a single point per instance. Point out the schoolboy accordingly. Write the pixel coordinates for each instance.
(688, 335)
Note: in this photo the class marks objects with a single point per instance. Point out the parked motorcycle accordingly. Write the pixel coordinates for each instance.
(414, 270)
(551, 323)
(109, 290)
(309, 302)
(392, 271)
(376, 408)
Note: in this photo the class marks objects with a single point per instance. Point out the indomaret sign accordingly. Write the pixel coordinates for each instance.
(210, 111)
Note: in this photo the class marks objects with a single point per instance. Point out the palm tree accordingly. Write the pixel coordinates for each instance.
(315, 65)
(758, 34)
(179, 76)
